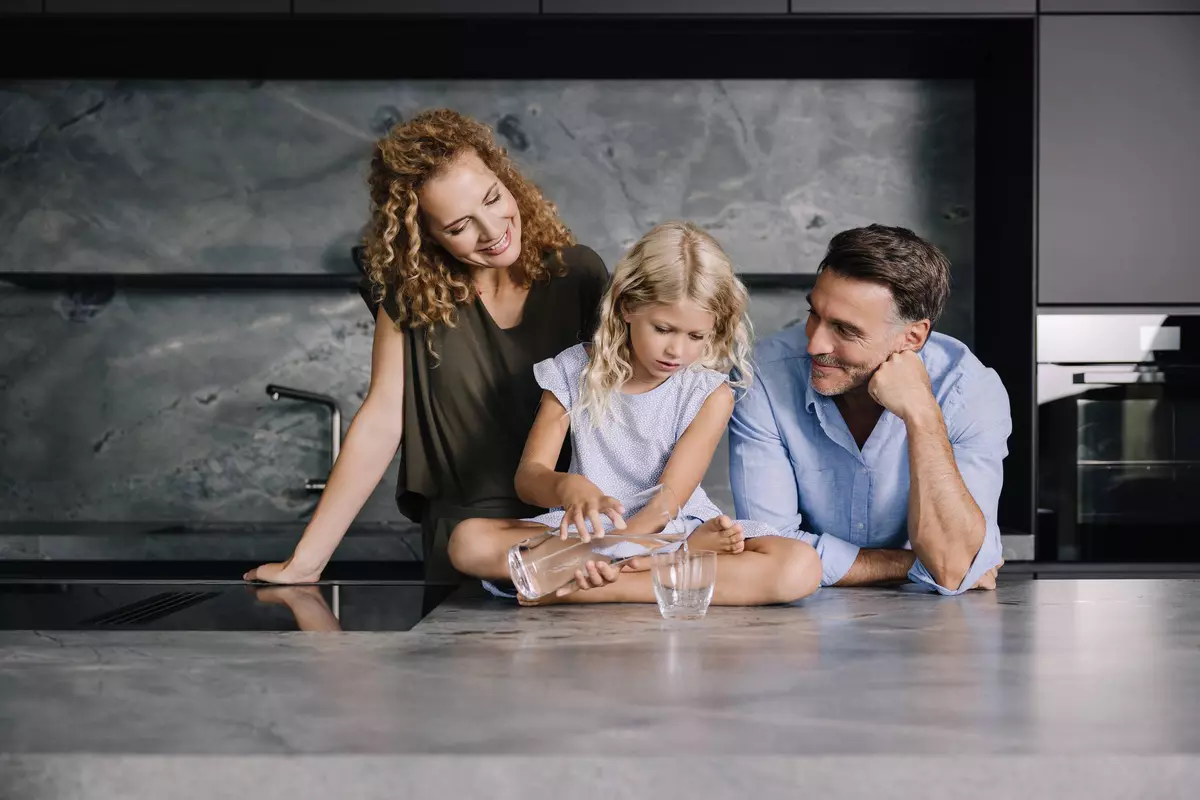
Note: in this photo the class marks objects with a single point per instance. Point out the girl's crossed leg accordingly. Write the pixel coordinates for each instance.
(762, 570)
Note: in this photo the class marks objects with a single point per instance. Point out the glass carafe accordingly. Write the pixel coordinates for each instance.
(545, 563)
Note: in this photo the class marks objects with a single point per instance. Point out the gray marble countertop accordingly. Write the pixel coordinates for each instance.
(1076, 684)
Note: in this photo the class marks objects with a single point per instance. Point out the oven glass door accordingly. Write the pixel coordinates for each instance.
(1120, 468)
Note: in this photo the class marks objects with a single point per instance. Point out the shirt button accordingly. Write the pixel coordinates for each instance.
(860, 526)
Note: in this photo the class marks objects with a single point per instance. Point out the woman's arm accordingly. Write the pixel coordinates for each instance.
(371, 442)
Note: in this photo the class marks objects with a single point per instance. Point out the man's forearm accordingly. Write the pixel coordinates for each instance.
(876, 566)
(945, 525)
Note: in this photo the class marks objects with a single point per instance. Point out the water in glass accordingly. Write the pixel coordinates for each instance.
(684, 581)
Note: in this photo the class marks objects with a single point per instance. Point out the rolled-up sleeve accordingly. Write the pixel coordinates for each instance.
(762, 477)
(837, 556)
(978, 423)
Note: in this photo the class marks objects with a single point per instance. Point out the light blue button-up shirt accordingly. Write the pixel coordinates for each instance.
(795, 465)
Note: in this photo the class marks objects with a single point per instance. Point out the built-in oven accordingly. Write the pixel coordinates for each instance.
(1118, 432)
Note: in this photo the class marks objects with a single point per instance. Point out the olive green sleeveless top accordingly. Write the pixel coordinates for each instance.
(468, 412)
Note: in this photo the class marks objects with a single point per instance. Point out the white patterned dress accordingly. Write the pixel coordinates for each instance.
(628, 452)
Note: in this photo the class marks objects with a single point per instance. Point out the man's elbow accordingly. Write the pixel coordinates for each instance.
(950, 573)
(950, 565)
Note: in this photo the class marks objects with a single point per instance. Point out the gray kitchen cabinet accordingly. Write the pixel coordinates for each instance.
(168, 6)
(416, 6)
(954, 7)
(664, 6)
(1118, 170)
(1118, 6)
(20, 6)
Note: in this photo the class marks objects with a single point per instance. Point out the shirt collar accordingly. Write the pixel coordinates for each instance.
(810, 394)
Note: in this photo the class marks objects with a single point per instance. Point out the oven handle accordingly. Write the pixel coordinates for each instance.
(1128, 378)
(1110, 378)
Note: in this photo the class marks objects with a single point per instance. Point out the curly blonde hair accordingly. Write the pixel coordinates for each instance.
(400, 255)
(674, 261)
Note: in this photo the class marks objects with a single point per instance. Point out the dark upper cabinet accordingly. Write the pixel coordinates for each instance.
(955, 7)
(20, 6)
(664, 6)
(1117, 6)
(416, 6)
(168, 6)
(884, 7)
(1119, 159)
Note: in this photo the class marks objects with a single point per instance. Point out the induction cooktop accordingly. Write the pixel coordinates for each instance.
(173, 605)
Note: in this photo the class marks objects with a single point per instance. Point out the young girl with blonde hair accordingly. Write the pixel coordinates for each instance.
(646, 403)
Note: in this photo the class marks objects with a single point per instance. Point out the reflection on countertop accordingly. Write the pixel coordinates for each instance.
(54, 606)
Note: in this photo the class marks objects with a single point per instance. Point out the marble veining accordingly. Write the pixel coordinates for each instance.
(1044, 688)
(233, 176)
(155, 408)
(1048, 667)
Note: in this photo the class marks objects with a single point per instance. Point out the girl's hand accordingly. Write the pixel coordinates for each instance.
(599, 573)
(583, 500)
(594, 575)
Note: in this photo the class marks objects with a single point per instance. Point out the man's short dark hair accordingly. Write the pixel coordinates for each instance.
(916, 272)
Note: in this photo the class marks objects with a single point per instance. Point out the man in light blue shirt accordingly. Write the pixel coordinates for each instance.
(876, 438)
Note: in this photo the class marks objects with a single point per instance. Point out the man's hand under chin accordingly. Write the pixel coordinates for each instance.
(901, 385)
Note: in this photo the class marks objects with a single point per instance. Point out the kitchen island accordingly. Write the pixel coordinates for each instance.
(1041, 688)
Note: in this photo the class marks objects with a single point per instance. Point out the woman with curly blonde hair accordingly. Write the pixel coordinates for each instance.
(472, 279)
(646, 404)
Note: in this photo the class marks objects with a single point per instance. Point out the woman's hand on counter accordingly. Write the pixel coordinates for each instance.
(282, 572)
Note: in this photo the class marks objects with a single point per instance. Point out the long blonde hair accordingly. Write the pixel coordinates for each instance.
(428, 283)
(674, 261)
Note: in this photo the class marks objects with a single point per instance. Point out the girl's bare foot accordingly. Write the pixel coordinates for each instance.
(721, 534)
(548, 600)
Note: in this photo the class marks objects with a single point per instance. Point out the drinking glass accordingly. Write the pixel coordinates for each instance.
(544, 563)
(684, 581)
